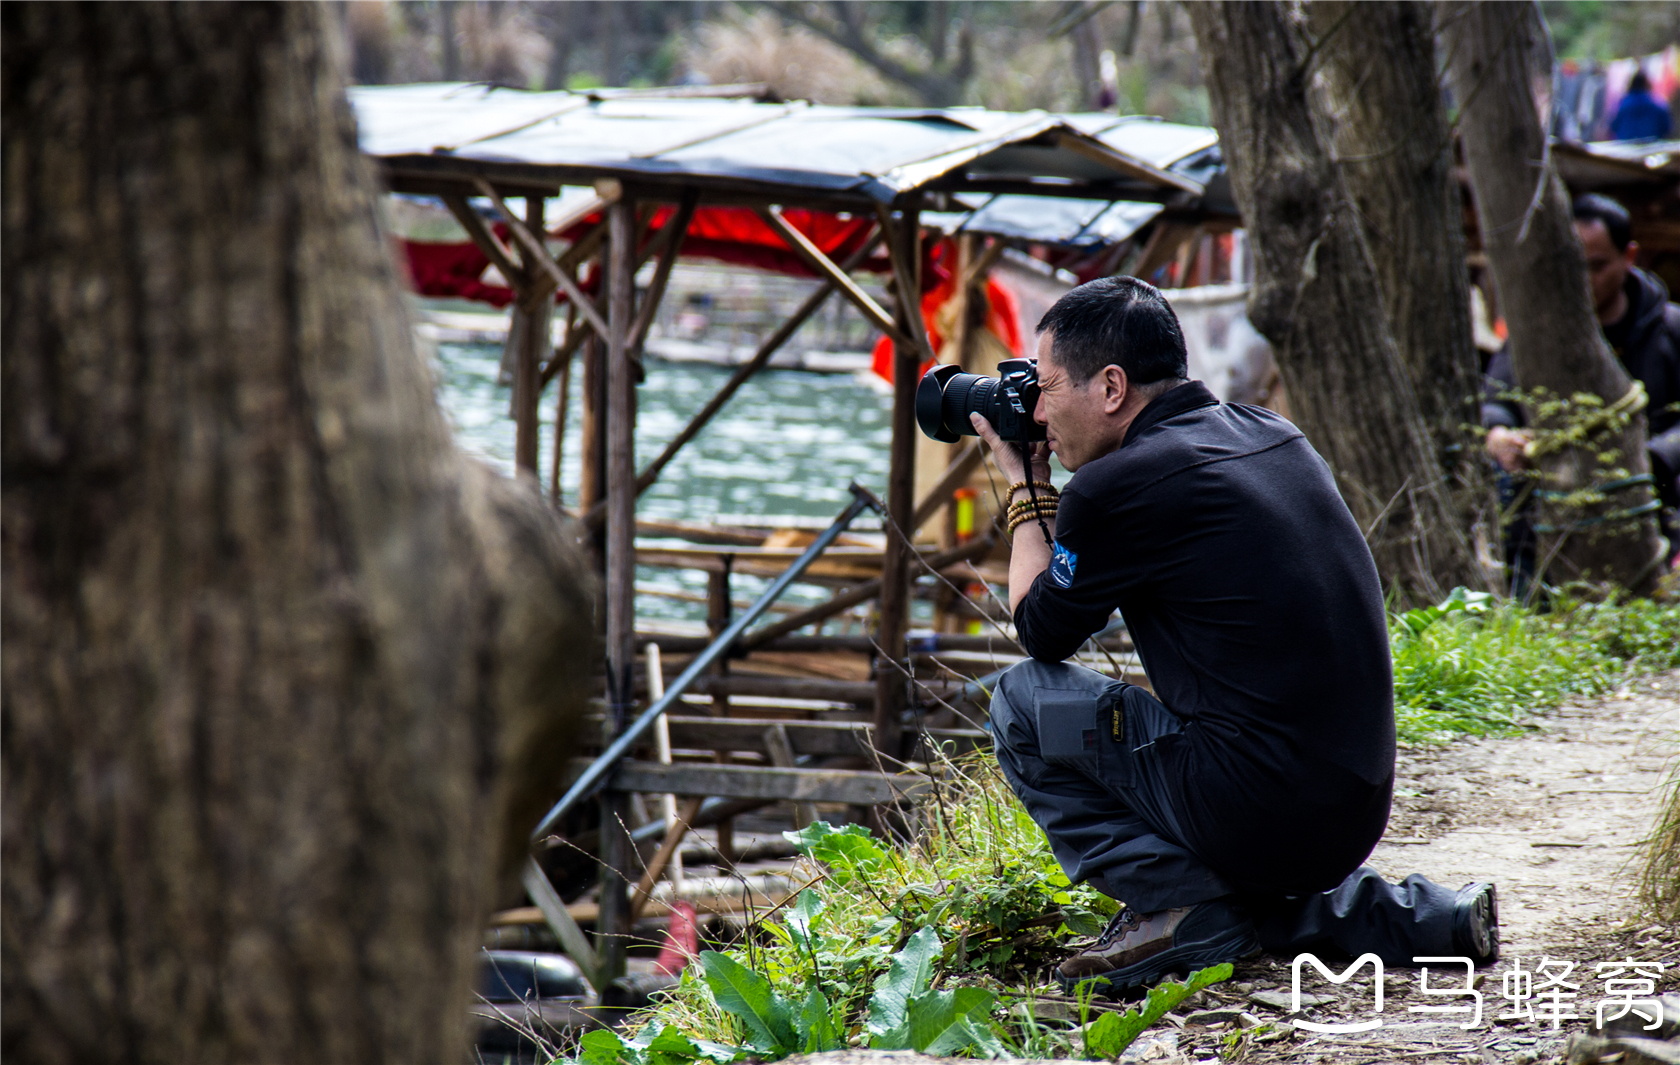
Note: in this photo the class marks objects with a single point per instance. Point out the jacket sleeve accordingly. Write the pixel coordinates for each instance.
(1074, 597)
(1499, 379)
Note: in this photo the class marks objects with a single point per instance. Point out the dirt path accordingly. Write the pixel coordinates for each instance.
(1553, 817)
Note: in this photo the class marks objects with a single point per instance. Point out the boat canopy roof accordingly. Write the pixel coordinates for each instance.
(435, 138)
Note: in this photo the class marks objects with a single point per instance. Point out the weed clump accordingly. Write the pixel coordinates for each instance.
(1471, 665)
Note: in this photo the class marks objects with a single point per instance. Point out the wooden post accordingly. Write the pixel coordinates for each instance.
(719, 612)
(905, 241)
(592, 479)
(621, 565)
(533, 345)
(562, 397)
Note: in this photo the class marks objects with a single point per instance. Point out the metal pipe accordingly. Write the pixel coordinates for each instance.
(596, 775)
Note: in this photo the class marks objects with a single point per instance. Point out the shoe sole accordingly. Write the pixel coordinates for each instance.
(1482, 925)
(1186, 959)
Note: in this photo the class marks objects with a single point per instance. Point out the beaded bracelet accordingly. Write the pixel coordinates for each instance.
(1019, 519)
(1016, 523)
(1045, 486)
(1035, 504)
(1030, 511)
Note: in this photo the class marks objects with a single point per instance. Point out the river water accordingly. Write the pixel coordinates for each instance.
(787, 444)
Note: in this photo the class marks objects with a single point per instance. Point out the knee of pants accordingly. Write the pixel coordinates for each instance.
(1012, 714)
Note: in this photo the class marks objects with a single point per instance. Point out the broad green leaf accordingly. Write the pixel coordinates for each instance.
(745, 994)
(602, 1046)
(1111, 1034)
(942, 1023)
(849, 852)
(816, 1025)
(907, 976)
(801, 920)
(1081, 922)
(669, 1046)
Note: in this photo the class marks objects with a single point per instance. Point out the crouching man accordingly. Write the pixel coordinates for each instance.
(1229, 812)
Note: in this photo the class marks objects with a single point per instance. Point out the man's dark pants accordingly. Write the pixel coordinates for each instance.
(1110, 817)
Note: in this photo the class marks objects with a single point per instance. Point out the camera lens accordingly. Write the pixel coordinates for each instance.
(946, 397)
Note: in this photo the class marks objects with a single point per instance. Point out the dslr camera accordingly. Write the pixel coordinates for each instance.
(947, 396)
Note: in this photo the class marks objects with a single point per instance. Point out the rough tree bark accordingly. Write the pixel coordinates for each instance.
(1318, 299)
(1540, 270)
(1389, 131)
(281, 667)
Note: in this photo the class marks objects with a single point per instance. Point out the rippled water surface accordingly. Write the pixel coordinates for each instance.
(788, 443)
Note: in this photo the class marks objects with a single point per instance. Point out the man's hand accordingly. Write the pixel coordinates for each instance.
(1008, 456)
(1507, 447)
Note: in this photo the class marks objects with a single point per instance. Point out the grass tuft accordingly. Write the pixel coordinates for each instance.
(1489, 672)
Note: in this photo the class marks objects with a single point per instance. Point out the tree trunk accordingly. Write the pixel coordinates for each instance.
(1317, 298)
(281, 666)
(1540, 270)
(1389, 131)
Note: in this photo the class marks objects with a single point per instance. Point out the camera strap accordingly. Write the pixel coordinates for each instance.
(1032, 492)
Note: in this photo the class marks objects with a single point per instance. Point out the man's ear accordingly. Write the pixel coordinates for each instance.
(1116, 387)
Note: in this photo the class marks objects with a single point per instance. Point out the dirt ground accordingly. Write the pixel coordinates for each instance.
(1553, 817)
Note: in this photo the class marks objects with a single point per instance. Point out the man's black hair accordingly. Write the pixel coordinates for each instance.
(1595, 207)
(1639, 82)
(1117, 321)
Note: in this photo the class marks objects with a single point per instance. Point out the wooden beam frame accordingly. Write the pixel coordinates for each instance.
(955, 475)
(532, 249)
(904, 248)
(745, 371)
(857, 786)
(827, 268)
(493, 249)
(672, 243)
(976, 548)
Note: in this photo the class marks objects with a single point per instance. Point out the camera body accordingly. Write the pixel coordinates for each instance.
(946, 397)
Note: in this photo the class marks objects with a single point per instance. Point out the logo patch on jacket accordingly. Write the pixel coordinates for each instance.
(1062, 563)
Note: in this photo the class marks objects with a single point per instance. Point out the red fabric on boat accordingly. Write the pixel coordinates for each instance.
(734, 235)
(452, 270)
(1001, 312)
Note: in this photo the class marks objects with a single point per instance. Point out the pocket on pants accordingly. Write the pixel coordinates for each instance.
(1076, 728)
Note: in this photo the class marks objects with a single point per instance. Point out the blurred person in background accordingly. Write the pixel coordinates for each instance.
(1643, 329)
(1640, 115)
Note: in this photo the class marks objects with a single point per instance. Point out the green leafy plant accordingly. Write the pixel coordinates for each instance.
(1112, 1033)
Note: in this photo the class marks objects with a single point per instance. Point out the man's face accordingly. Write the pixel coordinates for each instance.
(1607, 268)
(1078, 418)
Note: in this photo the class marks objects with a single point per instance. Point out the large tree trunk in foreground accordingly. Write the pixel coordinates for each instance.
(280, 665)
(1389, 130)
(1318, 300)
(1540, 269)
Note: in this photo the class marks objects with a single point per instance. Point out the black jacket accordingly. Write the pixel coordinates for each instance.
(1253, 601)
(1647, 340)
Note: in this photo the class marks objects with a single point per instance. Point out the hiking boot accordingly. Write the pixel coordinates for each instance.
(1476, 922)
(1137, 949)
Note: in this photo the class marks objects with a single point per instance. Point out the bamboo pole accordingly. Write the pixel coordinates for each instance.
(662, 751)
(668, 853)
(620, 559)
(827, 268)
(562, 367)
(534, 340)
(904, 246)
(672, 248)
